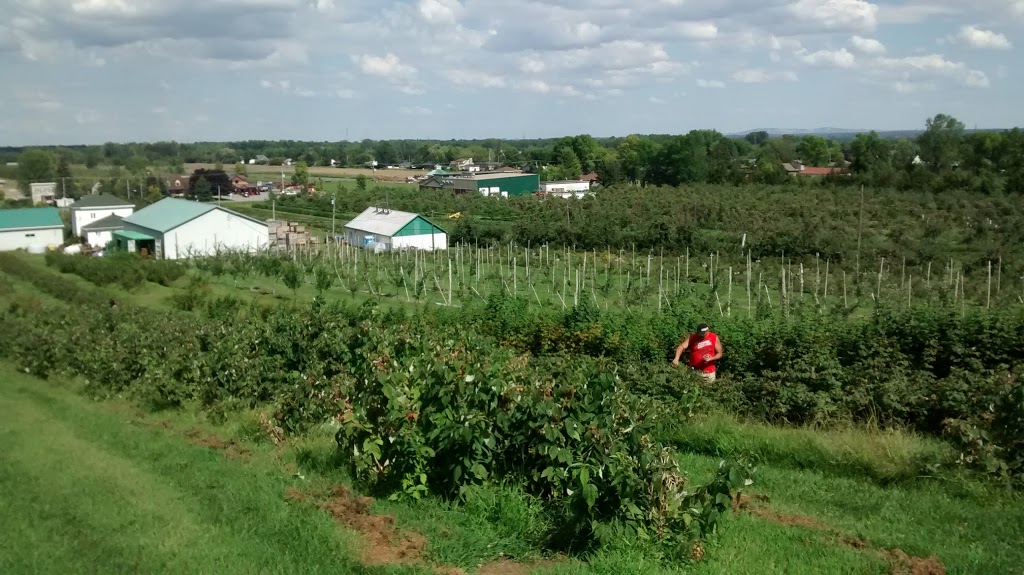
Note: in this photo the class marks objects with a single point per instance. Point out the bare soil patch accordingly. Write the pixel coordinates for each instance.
(900, 562)
(230, 448)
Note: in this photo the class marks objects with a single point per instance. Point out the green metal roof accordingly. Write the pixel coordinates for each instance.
(101, 201)
(133, 235)
(168, 214)
(108, 223)
(30, 218)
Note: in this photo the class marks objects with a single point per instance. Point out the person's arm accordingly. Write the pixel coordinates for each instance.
(679, 350)
(719, 350)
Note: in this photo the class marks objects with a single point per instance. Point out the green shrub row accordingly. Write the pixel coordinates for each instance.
(422, 407)
(51, 283)
(123, 269)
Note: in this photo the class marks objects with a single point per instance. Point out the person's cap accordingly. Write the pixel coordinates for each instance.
(702, 328)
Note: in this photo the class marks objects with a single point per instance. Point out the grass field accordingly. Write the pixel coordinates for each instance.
(105, 487)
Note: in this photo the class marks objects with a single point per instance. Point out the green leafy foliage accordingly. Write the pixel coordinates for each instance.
(126, 270)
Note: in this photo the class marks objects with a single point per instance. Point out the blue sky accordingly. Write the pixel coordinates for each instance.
(89, 71)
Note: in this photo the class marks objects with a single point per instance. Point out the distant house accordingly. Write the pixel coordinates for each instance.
(462, 164)
(43, 192)
(797, 168)
(178, 229)
(177, 185)
(30, 228)
(592, 178)
(565, 189)
(260, 159)
(383, 229)
(95, 207)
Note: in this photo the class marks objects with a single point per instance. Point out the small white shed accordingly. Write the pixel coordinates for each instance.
(177, 229)
(30, 228)
(394, 230)
(101, 232)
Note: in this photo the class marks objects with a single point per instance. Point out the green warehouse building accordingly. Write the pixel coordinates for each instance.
(497, 184)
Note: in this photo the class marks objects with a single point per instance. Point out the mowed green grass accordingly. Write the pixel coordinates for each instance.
(83, 490)
(89, 487)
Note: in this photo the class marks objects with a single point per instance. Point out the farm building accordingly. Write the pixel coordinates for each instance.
(29, 228)
(177, 229)
(43, 192)
(566, 188)
(503, 185)
(392, 229)
(94, 207)
(101, 232)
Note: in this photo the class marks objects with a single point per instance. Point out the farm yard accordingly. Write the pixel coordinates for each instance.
(506, 405)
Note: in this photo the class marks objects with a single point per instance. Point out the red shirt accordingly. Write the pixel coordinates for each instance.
(699, 348)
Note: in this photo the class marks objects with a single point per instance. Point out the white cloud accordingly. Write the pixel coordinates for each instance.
(344, 93)
(475, 79)
(760, 75)
(415, 111)
(985, 39)
(655, 100)
(925, 71)
(702, 83)
(439, 11)
(841, 58)
(387, 66)
(87, 116)
(868, 46)
(836, 15)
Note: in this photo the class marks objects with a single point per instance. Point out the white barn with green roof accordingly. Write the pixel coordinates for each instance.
(28, 228)
(177, 229)
(394, 230)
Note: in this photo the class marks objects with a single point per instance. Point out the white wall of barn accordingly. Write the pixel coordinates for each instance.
(215, 231)
(99, 239)
(436, 241)
(85, 216)
(11, 240)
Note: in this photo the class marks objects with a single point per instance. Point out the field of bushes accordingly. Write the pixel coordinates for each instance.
(542, 368)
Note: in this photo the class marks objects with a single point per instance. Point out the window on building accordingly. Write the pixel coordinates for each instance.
(30, 235)
(92, 215)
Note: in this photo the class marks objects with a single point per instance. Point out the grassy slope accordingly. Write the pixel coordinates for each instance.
(91, 487)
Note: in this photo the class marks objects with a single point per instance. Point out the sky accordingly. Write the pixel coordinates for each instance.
(91, 71)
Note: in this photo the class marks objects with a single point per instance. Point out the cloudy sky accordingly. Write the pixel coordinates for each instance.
(89, 71)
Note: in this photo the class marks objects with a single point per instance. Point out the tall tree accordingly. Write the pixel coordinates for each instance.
(300, 176)
(65, 180)
(941, 142)
(568, 165)
(757, 138)
(35, 166)
(870, 153)
(636, 154)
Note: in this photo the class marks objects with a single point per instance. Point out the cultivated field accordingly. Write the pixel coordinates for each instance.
(506, 406)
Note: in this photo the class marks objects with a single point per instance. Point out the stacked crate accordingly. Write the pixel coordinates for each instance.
(287, 234)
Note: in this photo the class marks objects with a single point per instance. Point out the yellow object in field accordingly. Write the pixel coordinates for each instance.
(455, 216)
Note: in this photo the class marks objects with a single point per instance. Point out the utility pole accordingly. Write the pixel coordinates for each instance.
(333, 209)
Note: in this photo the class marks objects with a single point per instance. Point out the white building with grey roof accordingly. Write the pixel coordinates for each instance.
(383, 229)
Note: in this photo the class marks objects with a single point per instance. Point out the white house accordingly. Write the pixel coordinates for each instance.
(566, 188)
(28, 228)
(393, 229)
(43, 192)
(101, 232)
(94, 207)
(177, 229)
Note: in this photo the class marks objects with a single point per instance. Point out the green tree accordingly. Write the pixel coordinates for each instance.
(219, 166)
(817, 151)
(323, 279)
(240, 169)
(609, 172)
(568, 164)
(300, 177)
(588, 151)
(870, 153)
(636, 154)
(941, 142)
(35, 166)
(153, 194)
(65, 180)
(768, 167)
(92, 158)
(757, 138)
(137, 164)
(204, 191)
(291, 275)
(361, 182)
